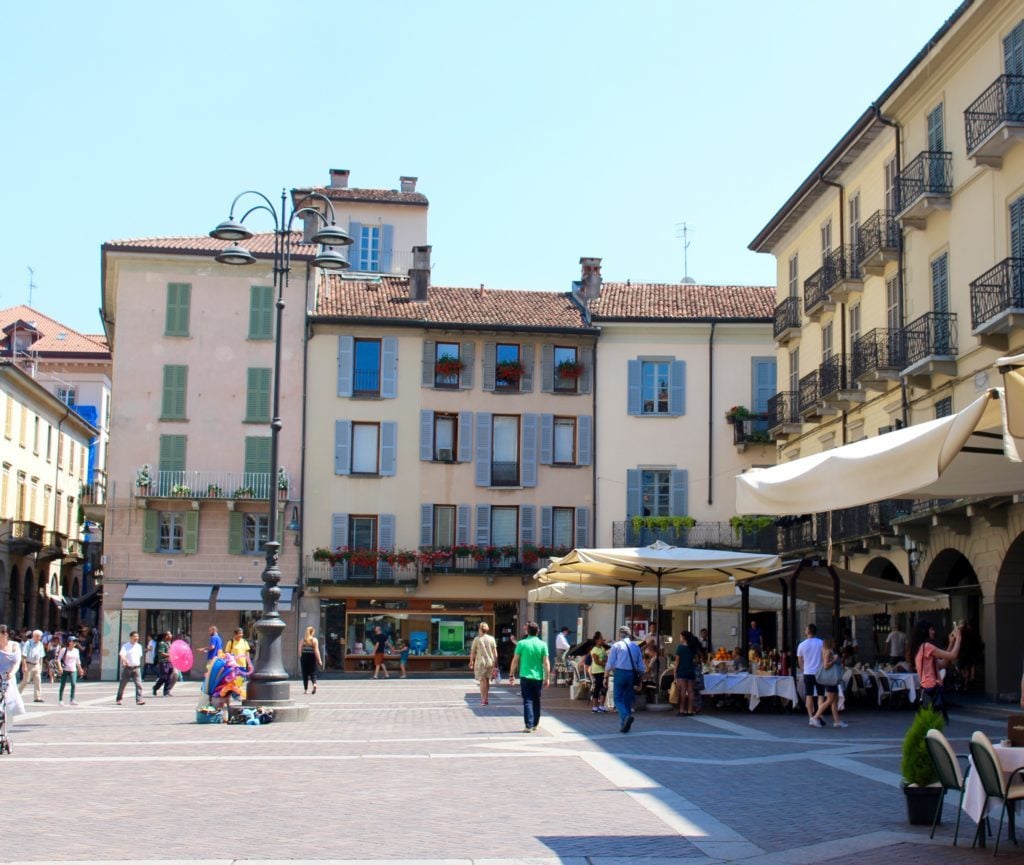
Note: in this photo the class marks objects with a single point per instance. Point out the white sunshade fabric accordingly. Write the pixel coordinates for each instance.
(1012, 369)
(166, 596)
(760, 600)
(576, 593)
(248, 598)
(970, 453)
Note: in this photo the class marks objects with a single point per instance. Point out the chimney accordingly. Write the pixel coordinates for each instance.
(590, 283)
(408, 183)
(339, 178)
(309, 227)
(419, 274)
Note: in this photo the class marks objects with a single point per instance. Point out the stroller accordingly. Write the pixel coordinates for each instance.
(5, 739)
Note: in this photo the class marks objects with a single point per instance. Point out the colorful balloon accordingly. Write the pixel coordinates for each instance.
(180, 654)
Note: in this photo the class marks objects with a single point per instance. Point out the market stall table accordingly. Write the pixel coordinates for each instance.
(1010, 759)
(749, 685)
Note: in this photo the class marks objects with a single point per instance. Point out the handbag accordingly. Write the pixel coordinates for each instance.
(673, 693)
(638, 677)
(829, 676)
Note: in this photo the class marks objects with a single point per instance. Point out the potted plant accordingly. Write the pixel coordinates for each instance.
(920, 783)
(144, 479)
(282, 483)
(737, 412)
(181, 491)
(213, 491)
(509, 371)
(448, 366)
(243, 493)
(571, 369)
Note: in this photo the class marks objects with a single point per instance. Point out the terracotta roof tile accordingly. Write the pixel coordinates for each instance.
(258, 244)
(682, 302)
(375, 196)
(387, 298)
(56, 338)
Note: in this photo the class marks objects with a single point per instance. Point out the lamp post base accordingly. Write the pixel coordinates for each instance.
(284, 710)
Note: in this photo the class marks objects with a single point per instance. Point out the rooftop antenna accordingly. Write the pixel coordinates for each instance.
(684, 231)
(31, 284)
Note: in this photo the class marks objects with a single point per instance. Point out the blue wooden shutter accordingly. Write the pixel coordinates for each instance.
(389, 367)
(490, 358)
(526, 382)
(426, 525)
(678, 492)
(634, 500)
(762, 382)
(346, 352)
(426, 435)
(1013, 51)
(528, 456)
(547, 439)
(339, 539)
(388, 447)
(355, 231)
(462, 525)
(546, 525)
(465, 436)
(936, 136)
(586, 381)
(467, 354)
(483, 449)
(634, 400)
(547, 368)
(385, 541)
(387, 243)
(483, 525)
(429, 360)
(342, 447)
(527, 525)
(582, 527)
(585, 447)
(677, 387)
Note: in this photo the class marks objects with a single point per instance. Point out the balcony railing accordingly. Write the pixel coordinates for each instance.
(795, 534)
(997, 291)
(75, 551)
(841, 265)
(1002, 102)
(833, 376)
(505, 474)
(928, 173)
(787, 317)
(353, 574)
(54, 544)
(212, 485)
(366, 382)
(388, 261)
(25, 537)
(863, 521)
(703, 535)
(816, 288)
(810, 392)
(93, 494)
(878, 239)
(783, 408)
(877, 351)
(752, 429)
(931, 335)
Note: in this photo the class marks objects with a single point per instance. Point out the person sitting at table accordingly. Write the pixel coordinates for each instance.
(738, 663)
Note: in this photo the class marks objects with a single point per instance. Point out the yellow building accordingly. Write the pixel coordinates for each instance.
(899, 264)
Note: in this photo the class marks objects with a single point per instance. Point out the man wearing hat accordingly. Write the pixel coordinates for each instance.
(626, 664)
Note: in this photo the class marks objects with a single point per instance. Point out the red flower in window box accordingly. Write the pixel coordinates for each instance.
(509, 371)
(572, 369)
(448, 366)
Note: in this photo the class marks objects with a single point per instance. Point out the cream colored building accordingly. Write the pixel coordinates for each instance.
(899, 283)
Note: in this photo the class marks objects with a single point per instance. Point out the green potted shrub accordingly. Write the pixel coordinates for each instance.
(920, 783)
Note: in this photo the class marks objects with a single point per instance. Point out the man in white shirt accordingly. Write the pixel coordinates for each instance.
(562, 644)
(32, 653)
(131, 659)
(808, 657)
(896, 643)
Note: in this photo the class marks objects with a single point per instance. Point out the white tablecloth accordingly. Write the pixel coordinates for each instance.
(1010, 759)
(754, 687)
(910, 680)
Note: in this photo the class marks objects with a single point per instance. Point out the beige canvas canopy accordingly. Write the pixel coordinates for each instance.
(583, 593)
(695, 599)
(1012, 369)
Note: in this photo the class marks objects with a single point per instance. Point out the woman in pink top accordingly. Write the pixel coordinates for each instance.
(929, 659)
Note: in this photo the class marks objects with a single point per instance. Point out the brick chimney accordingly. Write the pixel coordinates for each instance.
(419, 274)
(339, 178)
(590, 282)
(408, 183)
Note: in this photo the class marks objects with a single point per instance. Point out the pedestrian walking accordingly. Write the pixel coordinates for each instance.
(149, 658)
(10, 663)
(483, 655)
(534, 668)
(381, 644)
(32, 654)
(70, 660)
(831, 669)
(808, 659)
(215, 645)
(131, 661)
(626, 664)
(599, 688)
(52, 665)
(403, 658)
(929, 659)
(166, 676)
(309, 659)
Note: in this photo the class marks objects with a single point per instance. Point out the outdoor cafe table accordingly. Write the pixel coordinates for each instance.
(908, 681)
(1010, 759)
(749, 685)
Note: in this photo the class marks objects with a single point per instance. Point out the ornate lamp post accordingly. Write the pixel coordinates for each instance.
(268, 684)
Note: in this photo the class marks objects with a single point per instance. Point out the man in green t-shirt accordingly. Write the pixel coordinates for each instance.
(531, 662)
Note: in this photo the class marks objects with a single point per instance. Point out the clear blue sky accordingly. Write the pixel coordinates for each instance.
(540, 131)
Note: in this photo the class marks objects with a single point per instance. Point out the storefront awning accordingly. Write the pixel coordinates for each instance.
(247, 598)
(166, 596)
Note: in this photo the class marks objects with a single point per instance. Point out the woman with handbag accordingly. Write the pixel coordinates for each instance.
(829, 676)
(929, 660)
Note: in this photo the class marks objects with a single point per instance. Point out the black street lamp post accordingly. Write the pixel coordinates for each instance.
(268, 684)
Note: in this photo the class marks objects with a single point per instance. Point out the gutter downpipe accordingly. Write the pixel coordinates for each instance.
(307, 330)
(711, 414)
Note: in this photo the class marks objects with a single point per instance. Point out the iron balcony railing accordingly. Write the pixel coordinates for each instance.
(833, 375)
(878, 349)
(931, 335)
(928, 173)
(354, 574)
(213, 485)
(74, 550)
(1002, 102)
(25, 536)
(795, 534)
(862, 521)
(783, 408)
(879, 233)
(366, 381)
(702, 535)
(505, 474)
(56, 543)
(997, 290)
(841, 263)
(810, 391)
(815, 290)
(752, 429)
(787, 316)
(93, 494)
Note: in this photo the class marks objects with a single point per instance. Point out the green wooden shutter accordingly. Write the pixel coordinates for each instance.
(175, 388)
(191, 544)
(257, 454)
(150, 531)
(235, 525)
(257, 395)
(179, 296)
(261, 312)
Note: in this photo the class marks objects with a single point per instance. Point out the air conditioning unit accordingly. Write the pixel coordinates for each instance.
(445, 455)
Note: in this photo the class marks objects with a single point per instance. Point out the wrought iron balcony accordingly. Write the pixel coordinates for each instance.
(930, 339)
(926, 183)
(810, 395)
(994, 120)
(816, 291)
(505, 474)
(54, 545)
(26, 537)
(752, 429)
(877, 357)
(75, 552)
(835, 383)
(366, 382)
(702, 535)
(787, 319)
(213, 485)
(353, 574)
(795, 535)
(871, 520)
(784, 413)
(997, 298)
(878, 242)
(842, 276)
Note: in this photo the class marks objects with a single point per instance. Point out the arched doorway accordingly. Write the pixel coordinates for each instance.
(883, 623)
(1007, 637)
(28, 603)
(6, 590)
(14, 611)
(951, 572)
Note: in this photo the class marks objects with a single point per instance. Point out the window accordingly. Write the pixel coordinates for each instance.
(171, 468)
(366, 376)
(794, 370)
(179, 295)
(261, 312)
(794, 276)
(8, 416)
(71, 516)
(654, 387)
(257, 395)
(444, 527)
(854, 207)
(365, 448)
(68, 396)
(60, 450)
(362, 536)
(567, 369)
(854, 323)
(1013, 52)
(505, 527)
(47, 498)
(508, 367)
(826, 341)
(826, 240)
(33, 492)
(936, 134)
(5, 489)
(255, 532)
(368, 253)
(655, 488)
(19, 505)
(49, 442)
(35, 435)
(23, 427)
(257, 465)
(892, 304)
(890, 186)
(505, 451)
(175, 387)
(563, 530)
(446, 431)
(944, 407)
(447, 364)
(172, 533)
(564, 441)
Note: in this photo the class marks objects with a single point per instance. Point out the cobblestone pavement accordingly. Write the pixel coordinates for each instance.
(417, 770)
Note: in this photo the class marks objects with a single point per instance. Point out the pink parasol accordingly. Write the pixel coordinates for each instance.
(180, 654)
